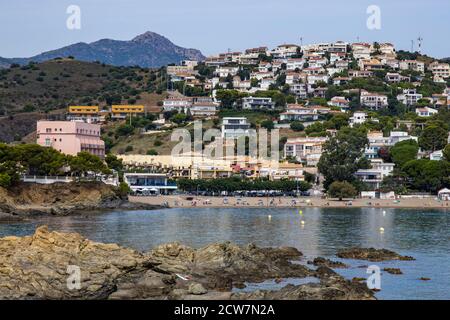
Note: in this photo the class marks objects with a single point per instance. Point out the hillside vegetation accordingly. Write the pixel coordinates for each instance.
(58, 83)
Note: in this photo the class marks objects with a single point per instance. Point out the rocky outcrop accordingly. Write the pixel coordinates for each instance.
(44, 266)
(28, 199)
(331, 287)
(395, 271)
(323, 262)
(40, 266)
(371, 254)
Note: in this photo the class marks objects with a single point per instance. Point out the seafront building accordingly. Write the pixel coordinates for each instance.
(150, 183)
(71, 137)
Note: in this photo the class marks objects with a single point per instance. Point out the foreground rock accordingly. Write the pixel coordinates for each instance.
(323, 262)
(371, 254)
(395, 271)
(42, 266)
(36, 267)
(332, 286)
(30, 199)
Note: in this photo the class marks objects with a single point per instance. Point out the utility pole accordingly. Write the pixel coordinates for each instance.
(419, 40)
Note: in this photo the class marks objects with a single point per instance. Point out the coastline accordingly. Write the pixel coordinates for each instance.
(184, 201)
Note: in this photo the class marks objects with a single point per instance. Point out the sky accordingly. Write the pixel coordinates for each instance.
(29, 27)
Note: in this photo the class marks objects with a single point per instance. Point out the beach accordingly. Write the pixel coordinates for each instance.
(187, 201)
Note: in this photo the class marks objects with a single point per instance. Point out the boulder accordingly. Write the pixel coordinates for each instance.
(371, 254)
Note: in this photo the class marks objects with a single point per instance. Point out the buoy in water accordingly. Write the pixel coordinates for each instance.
(300, 212)
(302, 222)
(381, 229)
(270, 217)
(384, 213)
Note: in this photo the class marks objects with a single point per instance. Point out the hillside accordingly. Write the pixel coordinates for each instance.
(33, 91)
(55, 84)
(146, 50)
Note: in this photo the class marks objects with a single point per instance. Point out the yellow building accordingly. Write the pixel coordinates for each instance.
(88, 114)
(122, 111)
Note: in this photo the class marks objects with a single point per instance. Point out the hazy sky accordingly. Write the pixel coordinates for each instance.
(29, 27)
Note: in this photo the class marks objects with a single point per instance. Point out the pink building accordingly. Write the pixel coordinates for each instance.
(71, 137)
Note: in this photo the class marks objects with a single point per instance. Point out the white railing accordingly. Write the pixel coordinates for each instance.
(110, 180)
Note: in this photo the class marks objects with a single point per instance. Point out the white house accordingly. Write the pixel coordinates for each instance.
(374, 100)
(440, 70)
(437, 155)
(413, 65)
(301, 148)
(295, 112)
(374, 176)
(177, 104)
(340, 102)
(358, 118)
(426, 111)
(294, 64)
(224, 71)
(409, 97)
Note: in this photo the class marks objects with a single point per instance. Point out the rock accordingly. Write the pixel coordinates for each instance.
(197, 289)
(37, 266)
(31, 199)
(393, 270)
(328, 263)
(371, 254)
(425, 279)
(226, 263)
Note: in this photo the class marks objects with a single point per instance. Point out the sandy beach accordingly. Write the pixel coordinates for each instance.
(186, 201)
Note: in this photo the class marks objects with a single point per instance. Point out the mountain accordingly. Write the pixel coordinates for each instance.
(149, 50)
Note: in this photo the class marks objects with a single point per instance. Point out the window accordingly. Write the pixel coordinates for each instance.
(47, 142)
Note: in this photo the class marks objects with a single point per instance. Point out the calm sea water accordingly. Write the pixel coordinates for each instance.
(423, 234)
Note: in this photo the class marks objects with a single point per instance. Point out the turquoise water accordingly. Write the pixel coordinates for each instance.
(422, 233)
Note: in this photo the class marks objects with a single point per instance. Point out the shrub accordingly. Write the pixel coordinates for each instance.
(152, 152)
(342, 190)
(297, 126)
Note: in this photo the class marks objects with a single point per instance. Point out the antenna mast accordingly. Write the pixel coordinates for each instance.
(419, 40)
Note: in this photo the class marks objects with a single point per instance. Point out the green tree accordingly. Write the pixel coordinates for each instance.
(404, 151)
(447, 152)
(427, 175)
(268, 124)
(178, 118)
(342, 156)
(84, 162)
(113, 162)
(297, 126)
(433, 138)
(341, 190)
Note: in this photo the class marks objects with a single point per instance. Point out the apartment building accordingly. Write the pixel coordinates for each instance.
(440, 70)
(71, 137)
(177, 104)
(257, 103)
(235, 127)
(373, 100)
(124, 111)
(89, 114)
(413, 65)
(301, 148)
(374, 177)
(409, 97)
(295, 112)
